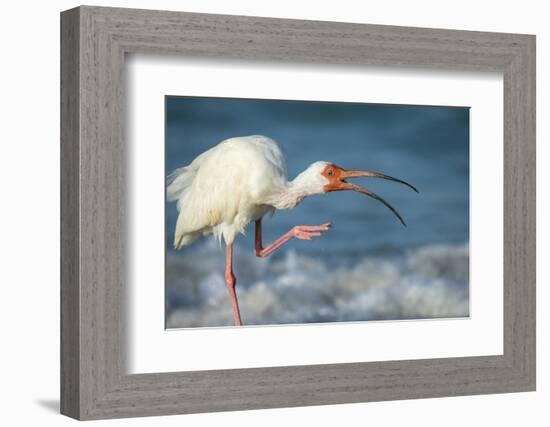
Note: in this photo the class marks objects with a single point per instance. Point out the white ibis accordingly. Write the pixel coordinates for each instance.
(240, 180)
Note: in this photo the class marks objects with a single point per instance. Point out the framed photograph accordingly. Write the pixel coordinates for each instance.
(262, 213)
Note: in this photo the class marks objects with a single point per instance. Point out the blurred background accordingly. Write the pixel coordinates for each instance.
(368, 266)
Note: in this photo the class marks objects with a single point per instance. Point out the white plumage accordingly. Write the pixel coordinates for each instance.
(225, 188)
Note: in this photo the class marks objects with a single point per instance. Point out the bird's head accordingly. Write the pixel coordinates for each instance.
(325, 177)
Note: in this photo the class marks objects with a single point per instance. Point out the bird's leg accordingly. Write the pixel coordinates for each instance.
(231, 283)
(302, 232)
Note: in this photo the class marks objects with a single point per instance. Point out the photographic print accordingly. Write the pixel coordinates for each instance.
(296, 212)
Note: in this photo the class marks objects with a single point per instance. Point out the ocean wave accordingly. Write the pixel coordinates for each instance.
(424, 282)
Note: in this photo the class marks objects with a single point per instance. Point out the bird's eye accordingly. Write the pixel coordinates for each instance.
(330, 173)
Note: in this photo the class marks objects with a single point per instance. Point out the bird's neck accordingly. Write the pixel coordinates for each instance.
(293, 193)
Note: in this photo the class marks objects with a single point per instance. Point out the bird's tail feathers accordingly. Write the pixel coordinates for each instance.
(182, 240)
(178, 182)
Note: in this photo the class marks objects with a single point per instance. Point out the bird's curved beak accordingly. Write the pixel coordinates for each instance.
(339, 183)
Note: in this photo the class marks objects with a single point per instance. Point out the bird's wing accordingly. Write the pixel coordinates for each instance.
(219, 190)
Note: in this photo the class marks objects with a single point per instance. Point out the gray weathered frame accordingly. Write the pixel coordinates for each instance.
(94, 41)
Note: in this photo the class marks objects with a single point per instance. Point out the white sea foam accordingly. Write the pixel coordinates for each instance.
(425, 282)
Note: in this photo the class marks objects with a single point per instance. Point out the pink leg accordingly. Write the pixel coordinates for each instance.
(302, 232)
(231, 283)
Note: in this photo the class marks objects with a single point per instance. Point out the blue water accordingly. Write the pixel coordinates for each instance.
(427, 146)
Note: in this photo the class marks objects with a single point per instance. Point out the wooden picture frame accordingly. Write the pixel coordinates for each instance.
(94, 382)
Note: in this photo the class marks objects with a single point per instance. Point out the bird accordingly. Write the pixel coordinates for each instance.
(239, 181)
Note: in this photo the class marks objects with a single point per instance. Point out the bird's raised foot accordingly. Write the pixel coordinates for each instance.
(307, 232)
